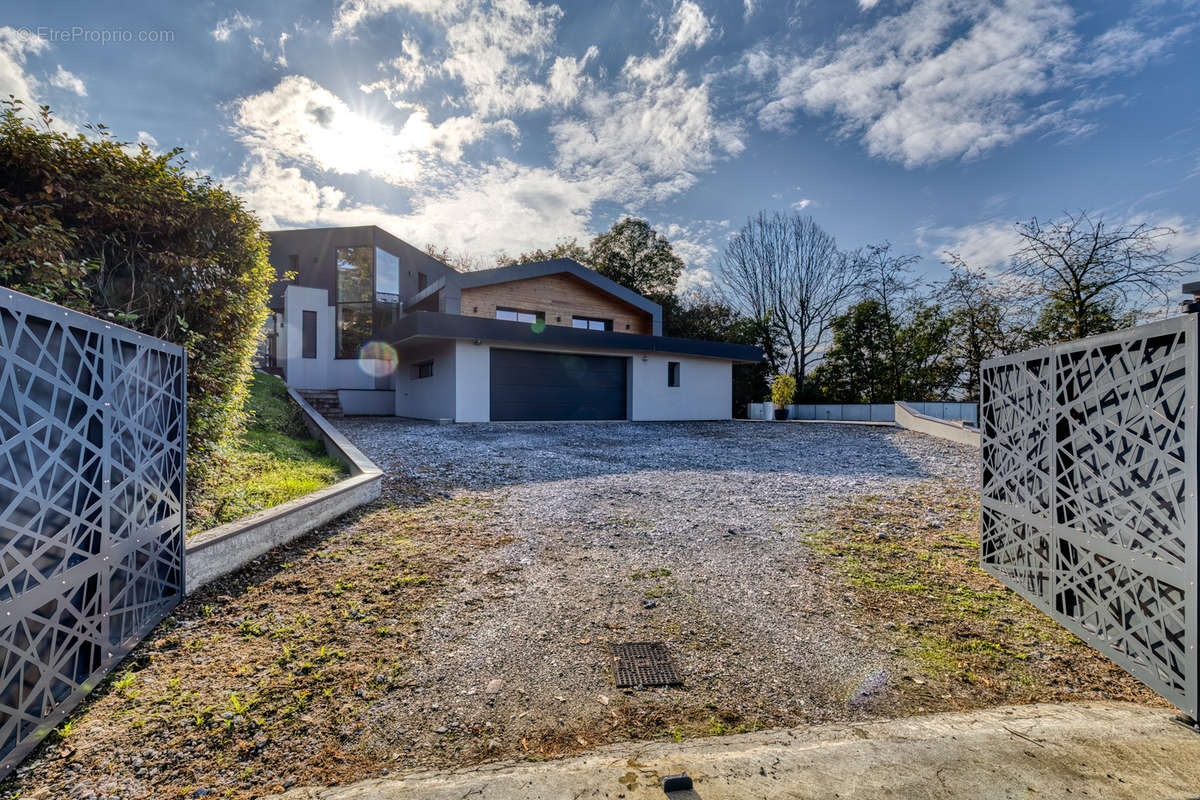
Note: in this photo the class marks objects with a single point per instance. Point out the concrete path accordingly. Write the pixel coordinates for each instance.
(1096, 750)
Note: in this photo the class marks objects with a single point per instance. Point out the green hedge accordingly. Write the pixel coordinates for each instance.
(117, 231)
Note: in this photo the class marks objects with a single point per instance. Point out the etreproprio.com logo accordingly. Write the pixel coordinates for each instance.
(81, 34)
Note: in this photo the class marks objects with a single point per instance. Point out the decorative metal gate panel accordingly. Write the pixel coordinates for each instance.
(92, 434)
(1089, 493)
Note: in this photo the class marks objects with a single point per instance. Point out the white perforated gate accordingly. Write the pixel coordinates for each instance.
(1089, 493)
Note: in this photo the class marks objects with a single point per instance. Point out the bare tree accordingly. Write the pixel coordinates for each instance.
(1093, 273)
(788, 273)
(988, 318)
(463, 261)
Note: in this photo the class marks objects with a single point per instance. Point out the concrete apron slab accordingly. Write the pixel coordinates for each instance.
(1102, 750)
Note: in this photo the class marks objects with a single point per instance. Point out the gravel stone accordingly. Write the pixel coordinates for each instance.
(702, 522)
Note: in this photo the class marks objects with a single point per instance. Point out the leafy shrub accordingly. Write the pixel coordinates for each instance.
(130, 236)
(783, 389)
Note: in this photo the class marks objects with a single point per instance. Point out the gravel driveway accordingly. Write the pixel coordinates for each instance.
(688, 533)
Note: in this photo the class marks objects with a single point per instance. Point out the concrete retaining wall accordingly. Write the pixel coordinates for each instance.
(913, 420)
(223, 549)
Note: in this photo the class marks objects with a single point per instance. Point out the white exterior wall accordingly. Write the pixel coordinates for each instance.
(364, 401)
(705, 388)
(325, 371)
(427, 398)
(473, 380)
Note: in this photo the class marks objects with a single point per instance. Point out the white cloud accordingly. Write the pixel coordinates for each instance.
(990, 243)
(646, 136)
(987, 244)
(566, 77)
(281, 61)
(749, 12)
(231, 25)
(800, 205)
(62, 79)
(503, 207)
(15, 46)
(644, 142)
(305, 122)
(411, 69)
(146, 139)
(690, 29)
(955, 78)
(492, 49)
(867, 5)
(349, 14)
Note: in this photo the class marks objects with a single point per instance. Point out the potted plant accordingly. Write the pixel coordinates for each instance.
(783, 388)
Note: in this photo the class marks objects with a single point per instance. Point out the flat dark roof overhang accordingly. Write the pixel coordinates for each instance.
(436, 325)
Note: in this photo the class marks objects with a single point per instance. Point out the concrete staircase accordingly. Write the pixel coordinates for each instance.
(324, 401)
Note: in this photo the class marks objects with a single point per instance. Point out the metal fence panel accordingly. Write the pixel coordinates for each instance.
(1089, 454)
(92, 434)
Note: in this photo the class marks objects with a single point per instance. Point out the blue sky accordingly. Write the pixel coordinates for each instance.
(502, 126)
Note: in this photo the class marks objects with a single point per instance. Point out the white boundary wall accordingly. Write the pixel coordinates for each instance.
(868, 412)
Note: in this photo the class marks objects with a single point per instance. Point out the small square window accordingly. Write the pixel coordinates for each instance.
(422, 281)
(294, 262)
(672, 373)
(423, 370)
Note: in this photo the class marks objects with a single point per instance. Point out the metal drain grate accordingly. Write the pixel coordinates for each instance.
(643, 664)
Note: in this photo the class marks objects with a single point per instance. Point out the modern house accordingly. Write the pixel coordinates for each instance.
(364, 323)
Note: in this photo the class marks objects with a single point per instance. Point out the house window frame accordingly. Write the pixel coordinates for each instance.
(422, 370)
(305, 350)
(673, 374)
(590, 323)
(538, 316)
(382, 309)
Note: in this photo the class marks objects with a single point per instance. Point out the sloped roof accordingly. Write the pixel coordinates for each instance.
(538, 269)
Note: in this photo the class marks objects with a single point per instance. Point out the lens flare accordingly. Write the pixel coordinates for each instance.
(377, 359)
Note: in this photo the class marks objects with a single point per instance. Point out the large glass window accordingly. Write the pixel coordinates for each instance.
(354, 328)
(387, 278)
(368, 295)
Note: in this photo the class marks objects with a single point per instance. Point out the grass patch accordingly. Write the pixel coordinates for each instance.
(960, 638)
(273, 462)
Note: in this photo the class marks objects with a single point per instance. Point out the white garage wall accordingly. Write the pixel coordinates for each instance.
(473, 365)
(705, 389)
(426, 398)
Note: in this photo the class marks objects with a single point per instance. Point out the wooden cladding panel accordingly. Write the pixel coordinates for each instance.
(559, 297)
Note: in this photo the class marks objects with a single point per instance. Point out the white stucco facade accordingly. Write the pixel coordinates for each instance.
(460, 387)
(704, 391)
(325, 371)
(432, 397)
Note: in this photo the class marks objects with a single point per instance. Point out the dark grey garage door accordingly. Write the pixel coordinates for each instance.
(528, 385)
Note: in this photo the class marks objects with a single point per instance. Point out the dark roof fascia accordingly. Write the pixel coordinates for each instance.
(435, 325)
(538, 269)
